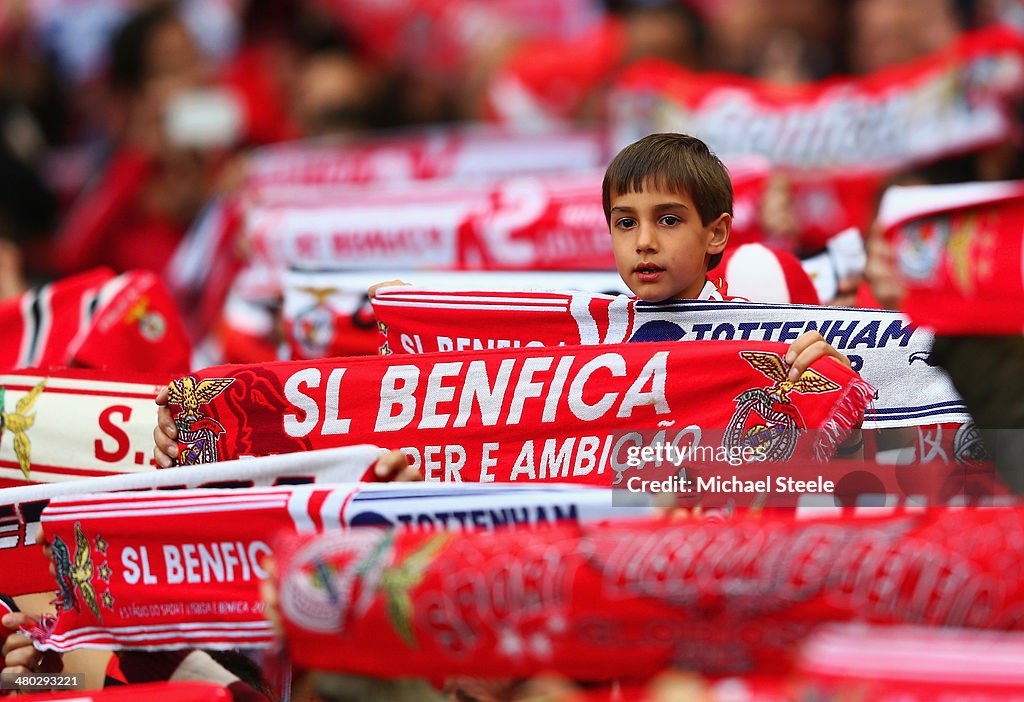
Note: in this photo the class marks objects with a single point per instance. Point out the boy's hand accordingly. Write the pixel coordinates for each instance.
(393, 467)
(806, 350)
(165, 434)
(20, 657)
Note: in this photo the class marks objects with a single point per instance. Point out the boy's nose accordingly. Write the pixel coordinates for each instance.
(646, 238)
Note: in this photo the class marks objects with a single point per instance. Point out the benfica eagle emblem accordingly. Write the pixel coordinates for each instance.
(765, 419)
(19, 422)
(197, 432)
(75, 577)
(313, 328)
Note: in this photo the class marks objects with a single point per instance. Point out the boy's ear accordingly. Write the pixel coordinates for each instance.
(720, 230)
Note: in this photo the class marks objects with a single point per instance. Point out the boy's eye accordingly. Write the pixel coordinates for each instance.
(670, 220)
(625, 223)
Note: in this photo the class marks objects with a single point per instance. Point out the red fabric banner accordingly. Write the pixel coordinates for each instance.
(96, 320)
(882, 346)
(627, 601)
(548, 221)
(960, 250)
(68, 424)
(944, 104)
(463, 153)
(21, 557)
(527, 414)
(327, 314)
(910, 663)
(158, 570)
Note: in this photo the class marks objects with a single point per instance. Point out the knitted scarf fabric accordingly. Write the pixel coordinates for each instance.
(878, 123)
(66, 424)
(159, 570)
(959, 250)
(626, 601)
(523, 414)
(96, 320)
(887, 351)
(21, 507)
(327, 313)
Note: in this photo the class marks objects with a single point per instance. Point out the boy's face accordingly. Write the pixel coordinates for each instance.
(660, 244)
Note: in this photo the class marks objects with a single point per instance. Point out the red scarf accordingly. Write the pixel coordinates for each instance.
(626, 601)
(911, 663)
(96, 320)
(458, 153)
(21, 508)
(879, 123)
(887, 351)
(959, 249)
(71, 423)
(525, 414)
(157, 570)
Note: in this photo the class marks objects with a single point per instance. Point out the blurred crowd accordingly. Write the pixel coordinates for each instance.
(121, 118)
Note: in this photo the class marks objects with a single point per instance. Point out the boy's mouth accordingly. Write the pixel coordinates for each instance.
(648, 272)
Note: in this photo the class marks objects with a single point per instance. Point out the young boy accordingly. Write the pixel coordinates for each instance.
(668, 203)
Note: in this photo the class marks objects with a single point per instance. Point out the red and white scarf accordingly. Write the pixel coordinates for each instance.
(21, 507)
(464, 153)
(628, 600)
(911, 663)
(161, 570)
(960, 250)
(96, 320)
(885, 349)
(328, 313)
(538, 221)
(951, 102)
(520, 414)
(69, 424)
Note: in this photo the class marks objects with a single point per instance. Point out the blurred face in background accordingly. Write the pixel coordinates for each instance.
(664, 34)
(891, 32)
(332, 95)
(173, 62)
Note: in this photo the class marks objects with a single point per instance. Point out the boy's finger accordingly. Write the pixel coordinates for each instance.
(165, 443)
(162, 459)
(166, 423)
(803, 342)
(409, 475)
(163, 396)
(390, 465)
(374, 288)
(13, 649)
(808, 356)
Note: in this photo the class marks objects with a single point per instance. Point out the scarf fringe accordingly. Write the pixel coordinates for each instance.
(846, 415)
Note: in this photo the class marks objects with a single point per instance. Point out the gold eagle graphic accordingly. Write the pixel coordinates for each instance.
(771, 365)
(20, 421)
(395, 583)
(82, 571)
(189, 394)
(318, 294)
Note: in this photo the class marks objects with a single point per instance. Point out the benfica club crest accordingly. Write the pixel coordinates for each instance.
(197, 433)
(152, 325)
(765, 419)
(313, 328)
(80, 580)
(327, 597)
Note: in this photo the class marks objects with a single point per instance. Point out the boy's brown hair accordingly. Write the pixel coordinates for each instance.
(673, 163)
